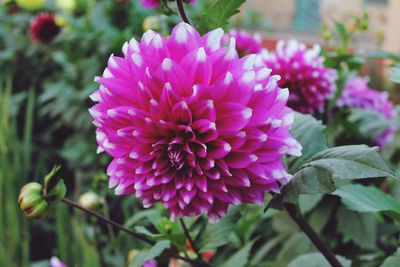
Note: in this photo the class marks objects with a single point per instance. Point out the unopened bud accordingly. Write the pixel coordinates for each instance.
(32, 202)
(90, 200)
(68, 6)
(153, 22)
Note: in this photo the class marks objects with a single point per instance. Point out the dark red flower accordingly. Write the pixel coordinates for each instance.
(44, 28)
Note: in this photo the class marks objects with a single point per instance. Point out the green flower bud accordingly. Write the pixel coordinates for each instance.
(68, 6)
(154, 22)
(90, 200)
(32, 202)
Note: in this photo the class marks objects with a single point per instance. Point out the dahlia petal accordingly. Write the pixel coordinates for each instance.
(232, 117)
(239, 160)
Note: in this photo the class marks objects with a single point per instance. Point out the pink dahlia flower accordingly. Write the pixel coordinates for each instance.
(156, 3)
(302, 71)
(191, 125)
(246, 43)
(43, 28)
(357, 94)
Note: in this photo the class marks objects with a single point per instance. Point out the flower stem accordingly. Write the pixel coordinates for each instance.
(182, 12)
(314, 237)
(108, 221)
(188, 236)
(193, 262)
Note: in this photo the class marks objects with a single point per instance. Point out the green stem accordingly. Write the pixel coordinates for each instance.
(193, 262)
(182, 12)
(314, 237)
(189, 237)
(108, 221)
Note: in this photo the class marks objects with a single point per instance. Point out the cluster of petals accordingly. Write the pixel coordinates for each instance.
(358, 95)
(246, 43)
(191, 125)
(157, 3)
(43, 28)
(303, 72)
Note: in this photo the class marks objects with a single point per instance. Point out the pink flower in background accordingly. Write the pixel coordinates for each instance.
(357, 94)
(43, 28)
(303, 72)
(156, 3)
(246, 43)
(191, 125)
(150, 263)
(55, 262)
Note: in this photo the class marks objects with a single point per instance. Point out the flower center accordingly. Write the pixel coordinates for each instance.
(176, 156)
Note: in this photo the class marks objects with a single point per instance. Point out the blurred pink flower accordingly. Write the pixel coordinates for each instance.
(357, 94)
(246, 43)
(150, 263)
(303, 72)
(55, 262)
(191, 125)
(156, 3)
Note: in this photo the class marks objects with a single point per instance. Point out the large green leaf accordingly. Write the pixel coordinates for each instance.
(151, 253)
(309, 202)
(379, 54)
(369, 123)
(218, 15)
(296, 244)
(216, 235)
(359, 228)
(395, 74)
(392, 261)
(311, 135)
(368, 199)
(240, 258)
(316, 259)
(321, 173)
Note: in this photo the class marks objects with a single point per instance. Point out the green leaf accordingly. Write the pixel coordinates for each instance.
(341, 29)
(240, 258)
(218, 15)
(296, 245)
(384, 55)
(216, 235)
(316, 259)
(368, 199)
(395, 74)
(321, 215)
(150, 254)
(311, 135)
(326, 168)
(359, 228)
(308, 202)
(369, 123)
(392, 261)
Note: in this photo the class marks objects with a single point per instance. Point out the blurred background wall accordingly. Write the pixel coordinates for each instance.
(286, 17)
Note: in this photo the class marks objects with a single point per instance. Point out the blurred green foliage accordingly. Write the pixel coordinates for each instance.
(44, 120)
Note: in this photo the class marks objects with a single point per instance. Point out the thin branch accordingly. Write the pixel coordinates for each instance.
(108, 221)
(193, 262)
(189, 237)
(182, 12)
(314, 237)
